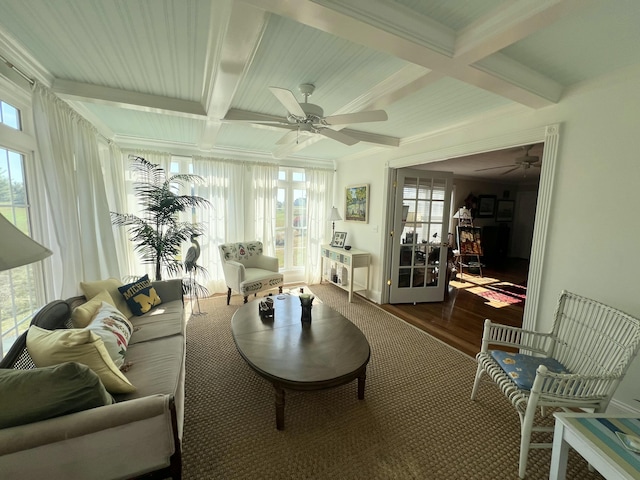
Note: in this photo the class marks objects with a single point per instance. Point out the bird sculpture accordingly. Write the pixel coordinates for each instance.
(192, 255)
(190, 265)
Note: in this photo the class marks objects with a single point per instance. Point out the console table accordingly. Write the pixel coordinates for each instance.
(350, 259)
(593, 436)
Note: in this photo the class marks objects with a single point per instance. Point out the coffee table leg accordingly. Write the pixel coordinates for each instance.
(279, 407)
(361, 379)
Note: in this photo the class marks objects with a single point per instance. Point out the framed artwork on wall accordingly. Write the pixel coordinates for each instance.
(505, 211)
(339, 238)
(356, 203)
(486, 206)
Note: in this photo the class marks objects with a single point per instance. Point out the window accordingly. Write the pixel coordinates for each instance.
(10, 115)
(291, 219)
(18, 294)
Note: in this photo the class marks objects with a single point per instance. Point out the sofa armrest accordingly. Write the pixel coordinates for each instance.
(266, 263)
(233, 273)
(59, 429)
(169, 290)
(140, 434)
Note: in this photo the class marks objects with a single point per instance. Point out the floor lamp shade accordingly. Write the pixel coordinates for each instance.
(16, 248)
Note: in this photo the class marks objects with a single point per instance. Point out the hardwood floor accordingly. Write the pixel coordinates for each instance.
(458, 321)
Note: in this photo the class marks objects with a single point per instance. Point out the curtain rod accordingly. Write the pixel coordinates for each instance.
(17, 70)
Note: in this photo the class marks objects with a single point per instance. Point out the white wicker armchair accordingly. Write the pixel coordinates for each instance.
(593, 344)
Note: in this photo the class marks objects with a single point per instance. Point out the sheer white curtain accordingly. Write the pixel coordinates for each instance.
(79, 225)
(223, 221)
(116, 169)
(263, 196)
(319, 195)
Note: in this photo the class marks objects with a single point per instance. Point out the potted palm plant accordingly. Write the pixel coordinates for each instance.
(158, 234)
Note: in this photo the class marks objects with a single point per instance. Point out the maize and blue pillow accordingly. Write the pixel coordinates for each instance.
(522, 368)
(140, 295)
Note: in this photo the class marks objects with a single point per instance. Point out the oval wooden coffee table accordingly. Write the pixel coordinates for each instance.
(328, 352)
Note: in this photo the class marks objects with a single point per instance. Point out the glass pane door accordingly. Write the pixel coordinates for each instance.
(420, 240)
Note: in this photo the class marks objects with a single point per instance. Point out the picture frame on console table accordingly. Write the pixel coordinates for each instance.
(356, 203)
(339, 239)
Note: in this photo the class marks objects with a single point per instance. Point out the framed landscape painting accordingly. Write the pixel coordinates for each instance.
(356, 203)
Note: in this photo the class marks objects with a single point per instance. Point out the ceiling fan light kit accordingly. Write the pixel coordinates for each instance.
(521, 163)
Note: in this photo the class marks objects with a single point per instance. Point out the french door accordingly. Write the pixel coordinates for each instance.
(420, 236)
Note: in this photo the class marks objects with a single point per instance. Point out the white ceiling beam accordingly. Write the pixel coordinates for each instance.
(114, 97)
(380, 25)
(508, 24)
(236, 31)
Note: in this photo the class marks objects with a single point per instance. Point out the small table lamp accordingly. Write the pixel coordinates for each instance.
(18, 249)
(335, 215)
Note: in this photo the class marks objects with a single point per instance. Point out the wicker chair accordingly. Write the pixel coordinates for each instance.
(579, 364)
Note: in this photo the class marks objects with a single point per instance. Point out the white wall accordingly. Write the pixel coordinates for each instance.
(593, 228)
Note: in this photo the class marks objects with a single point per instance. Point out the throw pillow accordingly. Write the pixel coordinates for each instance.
(91, 289)
(82, 315)
(40, 393)
(114, 329)
(52, 347)
(140, 295)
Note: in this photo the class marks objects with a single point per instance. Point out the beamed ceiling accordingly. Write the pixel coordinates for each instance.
(189, 76)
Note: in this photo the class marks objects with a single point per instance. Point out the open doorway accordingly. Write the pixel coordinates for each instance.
(501, 189)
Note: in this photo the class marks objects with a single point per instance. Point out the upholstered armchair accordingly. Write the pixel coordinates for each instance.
(247, 270)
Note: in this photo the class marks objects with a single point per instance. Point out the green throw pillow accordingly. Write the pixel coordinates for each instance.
(37, 394)
(140, 295)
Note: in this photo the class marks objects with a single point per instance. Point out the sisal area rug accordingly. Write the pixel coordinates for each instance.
(416, 421)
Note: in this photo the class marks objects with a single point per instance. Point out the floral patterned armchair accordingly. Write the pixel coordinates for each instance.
(247, 270)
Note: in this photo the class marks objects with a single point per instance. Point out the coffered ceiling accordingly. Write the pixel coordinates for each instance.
(185, 75)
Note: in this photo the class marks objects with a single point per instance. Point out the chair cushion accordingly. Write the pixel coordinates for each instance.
(522, 368)
(258, 279)
(140, 295)
(40, 393)
(241, 251)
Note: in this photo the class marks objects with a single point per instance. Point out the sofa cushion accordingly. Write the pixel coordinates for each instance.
(163, 321)
(52, 347)
(114, 329)
(91, 289)
(156, 367)
(82, 315)
(140, 295)
(40, 393)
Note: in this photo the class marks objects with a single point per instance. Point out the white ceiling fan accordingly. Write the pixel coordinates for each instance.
(524, 162)
(306, 120)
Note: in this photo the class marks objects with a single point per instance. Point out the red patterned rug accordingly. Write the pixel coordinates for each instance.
(503, 293)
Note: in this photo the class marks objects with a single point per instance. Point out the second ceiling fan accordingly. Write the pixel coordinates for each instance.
(524, 162)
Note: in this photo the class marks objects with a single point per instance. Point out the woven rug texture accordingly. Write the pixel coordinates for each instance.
(415, 422)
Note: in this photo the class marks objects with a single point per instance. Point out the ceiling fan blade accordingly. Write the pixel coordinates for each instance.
(510, 170)
(492, 168)
(358, 117)
(339, 136)
(288, 100)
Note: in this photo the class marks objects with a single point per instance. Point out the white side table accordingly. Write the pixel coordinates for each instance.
(593, 436)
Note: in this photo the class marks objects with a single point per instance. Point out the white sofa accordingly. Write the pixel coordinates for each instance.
(139, 434)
